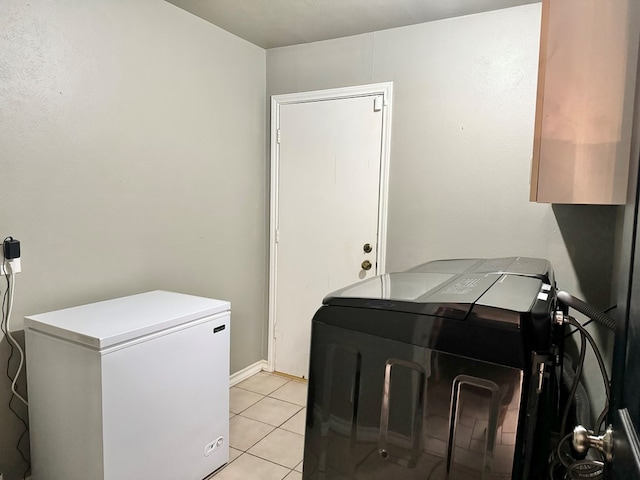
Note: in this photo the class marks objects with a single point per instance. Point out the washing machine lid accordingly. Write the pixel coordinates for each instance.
(107, 323)
(490, 289)
(523, 266)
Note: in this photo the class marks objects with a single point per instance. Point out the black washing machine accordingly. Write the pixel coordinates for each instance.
(444, 371)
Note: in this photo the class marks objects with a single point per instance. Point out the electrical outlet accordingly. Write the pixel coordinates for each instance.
(16, 267)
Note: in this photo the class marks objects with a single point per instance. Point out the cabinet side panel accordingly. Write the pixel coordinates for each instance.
(64, 409)
(585, 126)
(542, 60)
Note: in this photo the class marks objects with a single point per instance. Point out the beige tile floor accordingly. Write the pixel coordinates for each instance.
(266, 429)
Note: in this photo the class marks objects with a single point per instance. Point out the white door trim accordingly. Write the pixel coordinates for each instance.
(384, 89)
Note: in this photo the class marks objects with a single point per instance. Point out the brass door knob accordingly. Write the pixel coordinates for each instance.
(366, 265)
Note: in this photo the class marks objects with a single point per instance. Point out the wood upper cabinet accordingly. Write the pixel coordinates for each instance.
(586, 85)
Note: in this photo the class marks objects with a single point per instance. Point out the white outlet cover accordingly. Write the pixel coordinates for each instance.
(17, 268)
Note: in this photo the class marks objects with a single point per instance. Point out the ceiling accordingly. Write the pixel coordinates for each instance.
(277, 23)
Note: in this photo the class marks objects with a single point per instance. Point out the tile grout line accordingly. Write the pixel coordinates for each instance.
(271, 461)
(272, 398)
(287, 380)
(260, 393)
(255, 456)
(285, 401)
(258, 441)
(262, 396)
(245, 409)
(270, 393)
(262, 438)
(254, 444)
(275, 426)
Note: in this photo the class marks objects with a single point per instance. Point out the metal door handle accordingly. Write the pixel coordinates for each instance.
(366, 265)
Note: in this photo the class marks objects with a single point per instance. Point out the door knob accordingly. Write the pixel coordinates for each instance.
(366, 265)
(367, 248)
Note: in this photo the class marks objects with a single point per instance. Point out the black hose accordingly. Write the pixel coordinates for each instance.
(601, 418)
(581, 399)
(585, 334)
(586, 309)
(574, 386)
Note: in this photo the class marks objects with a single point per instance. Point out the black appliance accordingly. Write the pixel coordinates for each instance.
(444, 371)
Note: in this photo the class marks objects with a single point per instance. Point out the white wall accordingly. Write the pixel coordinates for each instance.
(463, 122)
(131, 158)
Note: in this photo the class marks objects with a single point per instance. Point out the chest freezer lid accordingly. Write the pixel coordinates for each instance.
(103, 324)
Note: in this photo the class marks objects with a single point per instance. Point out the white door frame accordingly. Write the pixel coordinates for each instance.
(384, 89)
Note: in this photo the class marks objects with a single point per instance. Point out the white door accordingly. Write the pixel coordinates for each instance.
(328, 211)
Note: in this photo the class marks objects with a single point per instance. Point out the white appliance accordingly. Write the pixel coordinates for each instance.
(128, 389)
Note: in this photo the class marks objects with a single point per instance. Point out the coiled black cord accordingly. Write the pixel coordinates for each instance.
(605, 377)
(588, 468)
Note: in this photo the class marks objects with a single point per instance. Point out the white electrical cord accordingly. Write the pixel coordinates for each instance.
(12, 282)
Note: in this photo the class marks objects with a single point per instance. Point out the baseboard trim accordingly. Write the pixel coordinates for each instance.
(246, 372)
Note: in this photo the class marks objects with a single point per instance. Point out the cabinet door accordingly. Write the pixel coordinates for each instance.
(586, 84)
(625, 386)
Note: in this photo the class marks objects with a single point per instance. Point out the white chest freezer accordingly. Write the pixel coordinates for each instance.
(128, 389)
